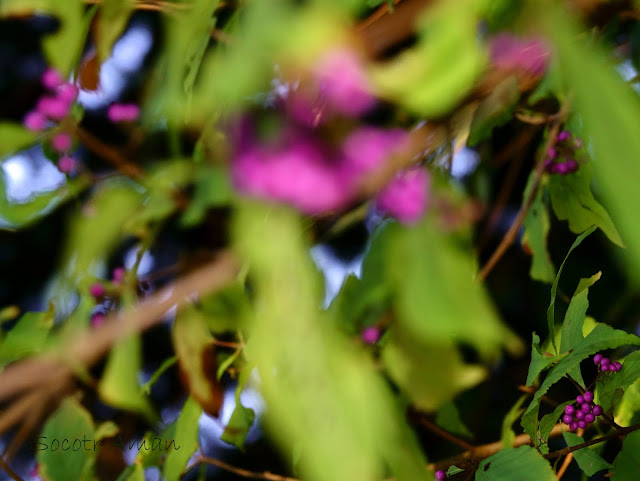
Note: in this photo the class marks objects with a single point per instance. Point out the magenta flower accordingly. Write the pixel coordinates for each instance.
(123, 112)
(52, 79)
(406, 196)
(62, 142)
(35, 121)
(54, 108)
(509, 52)
(342, 80)
(370, 335)
(367, 148)
(67, 164)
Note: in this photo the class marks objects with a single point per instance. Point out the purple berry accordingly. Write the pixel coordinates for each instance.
(370, 335)
(97, 290)
(588, 396)
(597, 358)
(604, 362)
(569, 409)
(573, 426)
(52, 79)
(617, 365)
(580, 399)
(579, 415)
(585, 408)
(53, 107)
(589, 418)
(567, 419)
(35, 121)
(548, 165)
(67, 164)
(118, 275)
(564, 135)
(612, 367)
(123, 112)
(441, 475)
(62, 142)
(552, 153)
(582, 424)
(68, 93)
(406, 196)
(597, 410)
(570, 166)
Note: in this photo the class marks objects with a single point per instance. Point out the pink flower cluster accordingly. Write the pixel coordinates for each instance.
(301, 168)
(509, 52)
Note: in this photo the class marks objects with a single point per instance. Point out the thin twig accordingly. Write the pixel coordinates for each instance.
(245, 473)
(444, 434)
(565, 465)
(545, 399)
(12, 474)
(616, 434)
(118, 160)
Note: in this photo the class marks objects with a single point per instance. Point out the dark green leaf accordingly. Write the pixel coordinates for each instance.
(627, 462)
(28, 336)
(539, 362)
(589, 461)
(547, 423)
(112, 20)
(508, 436)
(523, 463)
(536, 230)
(235, 433)
(14, 137)
(186, 440)
(448, 418)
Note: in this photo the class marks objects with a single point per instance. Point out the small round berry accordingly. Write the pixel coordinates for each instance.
(570, 166)
(612, 367)
(582, 424)
(569, 409)
(67, 164)
(118, 275)
(604, 362)
(580, 399)
(597, 410)
(589, 418)
(579, 415)
(567, 419)
(62, 142)
(552, 153)
(617, 365)
(597, 358)
(588, 396)
(573, 426)
(441, 475)
(564, 135)
(35, 121)
(370, 335)
(68, 93)
(53, 107)
(97, 290)
(585, 408)
(52, 79)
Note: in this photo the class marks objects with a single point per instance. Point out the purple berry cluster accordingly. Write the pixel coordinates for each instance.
(560, 158)
(582, 413)
(605, 364)
(441, 475)
(509, 52)
(315, 168)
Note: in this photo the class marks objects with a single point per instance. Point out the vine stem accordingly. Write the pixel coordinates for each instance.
(511, 235)
(12, 474)
(444, 434)
(245, 473)
(622, 432)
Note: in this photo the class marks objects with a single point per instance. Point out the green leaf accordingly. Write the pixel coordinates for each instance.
(602, 337)
(572, 200)
(574, 321)
(615, 384)
(523, 463)
(536, 229)
(166, 364)
(194, 348)
(495, 110)
(448, 418)
(186, 436)
(627, 462)
(227, 309)
(589, 461)
(628, 411)
(508, 436)
(14, 137)
(133, 472)
(60, 461)
(551, 311)
(539, 362)
(212, 189)
(107, 429)
(119, 385)
(235, 433)
(27, 337)
(332, 389)
(112, 20)
(547, 423)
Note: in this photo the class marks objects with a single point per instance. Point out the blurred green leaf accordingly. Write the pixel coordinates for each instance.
(448, 418)
(186, 438)
(602, 337)
(589, 461)
(495, 110)
(572, 200)
(166, 364)
(69, 423)
(551, 311)
(227, 309)
(14, 137)
(107, 429)
(616, 384)
(194, 348)
(313, 380)
(523, 463)
(508, 435)
(625, 466)
(27, 337)
(536, 229)
(133, 472)
(236, 430)
(628, 409)
(112, 20)
(119, 385)
(212, 189)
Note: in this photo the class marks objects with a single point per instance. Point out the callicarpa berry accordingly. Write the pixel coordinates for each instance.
(52, 79)
(118, 275)
(579, 415)
(582, 424)
(123, 112)
(589, 417)
(68, 93)
(604, 362)
(67, 164)
(567, 419)
(53, 107)
(612, 367)
(573, 426)
(585, 408)
(569, 409)
(441, 475)
(597, 358)
(597, 410)
(62, 142)
(564, 135)
(366, 149)
(580, 399)
(370, 335)
(97, 290)
(406, 196)
(35, 121)
(617, 365)
(587, 396)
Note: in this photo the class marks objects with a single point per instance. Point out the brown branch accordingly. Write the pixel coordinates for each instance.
(12, 474)
(565, 465)
(105, 151)
(545, 399)
(444, 434)
(616, 434)
(245, 473)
